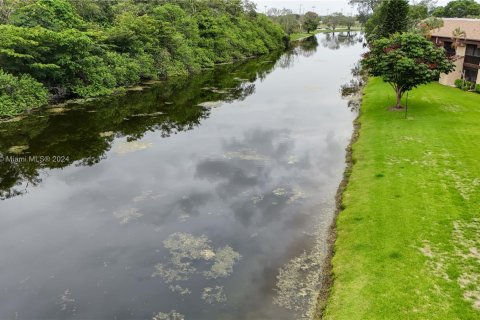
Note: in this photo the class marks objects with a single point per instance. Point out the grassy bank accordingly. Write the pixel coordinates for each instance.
(299, 36)
(408, 239)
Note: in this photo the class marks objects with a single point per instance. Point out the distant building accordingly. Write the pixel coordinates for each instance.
(466, 54)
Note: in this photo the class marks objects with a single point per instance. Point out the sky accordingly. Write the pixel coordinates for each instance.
(321, 6)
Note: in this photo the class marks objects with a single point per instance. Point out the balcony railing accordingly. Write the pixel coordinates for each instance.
(472, 60)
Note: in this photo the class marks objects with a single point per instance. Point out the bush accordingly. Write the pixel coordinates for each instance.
(477, 88)
(465, 85)
(459, 83)
(18, 94)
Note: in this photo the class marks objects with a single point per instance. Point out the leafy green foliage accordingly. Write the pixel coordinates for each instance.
(390, 17)
(406, 61)
(458, 9)
(466, 85)
(18, 94)
(88, 48)
(311, 21)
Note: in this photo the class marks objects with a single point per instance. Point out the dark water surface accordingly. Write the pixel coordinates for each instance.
(200, 199)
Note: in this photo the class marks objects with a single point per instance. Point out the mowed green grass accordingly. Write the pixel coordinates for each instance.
(408, 239)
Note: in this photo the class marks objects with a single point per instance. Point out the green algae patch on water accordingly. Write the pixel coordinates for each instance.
(106, 134)
(124, 147)
(127, 215)
(246, 154)
(172, 315)
(214, 295)
(18, 149)
(299, 281)
(185, 250)
(191, 256)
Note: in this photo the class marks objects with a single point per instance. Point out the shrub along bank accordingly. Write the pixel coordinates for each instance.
(71, 48)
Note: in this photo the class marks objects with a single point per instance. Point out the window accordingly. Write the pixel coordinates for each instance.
(472, 50)
(449, 48)
(470, 74)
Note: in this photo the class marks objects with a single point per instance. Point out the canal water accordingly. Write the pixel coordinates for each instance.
(199, 199)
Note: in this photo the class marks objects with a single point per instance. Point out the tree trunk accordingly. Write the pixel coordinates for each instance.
(399, 98)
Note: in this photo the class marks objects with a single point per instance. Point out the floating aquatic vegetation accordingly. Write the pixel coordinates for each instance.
(214, 295)
(124, 147)
(18, 149)
(144, 196)
(180, 290)
(292, 159)
(240, 79)
(299, 281)
(279, 192)
(245, 155)
(14, 119)
(66, 302)
(184, 250)
(257, 199)
(136, 88)
(296, 195)
(190, 255)
(106, 134)
(172, 315)
(224, 259)
(183, 217)
(210, 104)
(153, 114)
(57, 110)
(125, 216)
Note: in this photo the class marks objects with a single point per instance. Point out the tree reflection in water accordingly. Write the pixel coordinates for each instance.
(305, 48)
(82, 134)
(335, 41)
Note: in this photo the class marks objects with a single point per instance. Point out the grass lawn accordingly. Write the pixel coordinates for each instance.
(298, 36)
(408, 239)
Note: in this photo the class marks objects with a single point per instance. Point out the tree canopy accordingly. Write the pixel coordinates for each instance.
(87, 48)
(390, 17)
(311, 21)
(458, 9)
(405, 61)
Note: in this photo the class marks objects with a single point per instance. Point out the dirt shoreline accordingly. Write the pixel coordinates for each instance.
(326, 274)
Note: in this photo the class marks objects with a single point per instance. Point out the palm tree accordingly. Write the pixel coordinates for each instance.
(457, 36)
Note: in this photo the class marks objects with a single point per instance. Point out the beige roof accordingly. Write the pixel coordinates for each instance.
(470, 26)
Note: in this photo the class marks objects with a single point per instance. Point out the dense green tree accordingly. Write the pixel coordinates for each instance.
(390, 17)
(310, 21)
(348, 22)
(85, 48)
(418, 12)
(334, 20)
(365, 5)
(458, 9)
(51, 14)
(18, 94)
(406, 61)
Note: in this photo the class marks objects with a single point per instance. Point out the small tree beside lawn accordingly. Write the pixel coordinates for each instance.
(405, 61)
(311, 21)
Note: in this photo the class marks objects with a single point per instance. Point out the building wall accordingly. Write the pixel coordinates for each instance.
(449, 79)
(478, 77)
